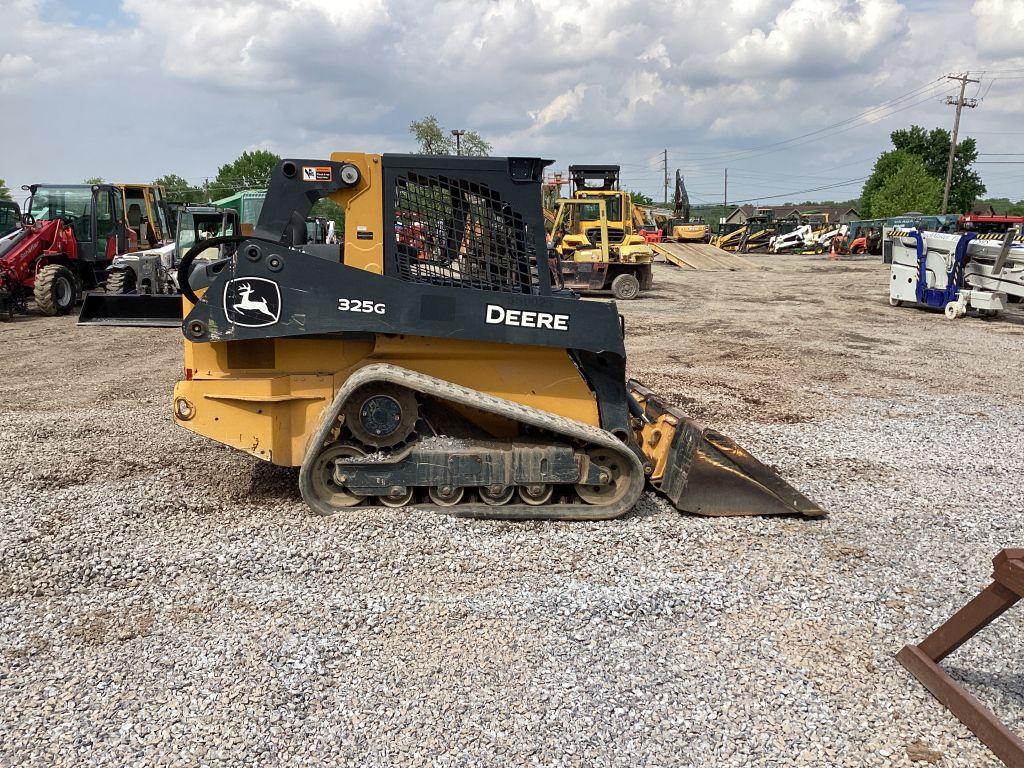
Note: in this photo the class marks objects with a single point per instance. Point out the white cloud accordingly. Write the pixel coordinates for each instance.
(818, 38)
(999, 26)
(563, 107)
(185, 86)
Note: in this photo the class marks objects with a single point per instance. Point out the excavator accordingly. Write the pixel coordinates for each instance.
(447, 372)
(679, 228)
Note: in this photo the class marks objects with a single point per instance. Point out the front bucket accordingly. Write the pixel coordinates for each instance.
(704, 472)
(132, 309)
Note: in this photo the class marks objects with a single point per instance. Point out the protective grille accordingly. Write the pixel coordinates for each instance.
(615, 235)
(451, 231)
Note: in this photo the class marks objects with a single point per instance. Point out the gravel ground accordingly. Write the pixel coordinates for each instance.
(165, 601)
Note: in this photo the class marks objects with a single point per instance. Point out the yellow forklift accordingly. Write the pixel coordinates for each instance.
(594, 247)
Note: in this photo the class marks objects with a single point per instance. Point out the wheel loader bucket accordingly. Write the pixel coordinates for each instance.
(706, 473)
(132, 309)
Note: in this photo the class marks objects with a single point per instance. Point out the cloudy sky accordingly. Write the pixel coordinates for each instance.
(795, 97)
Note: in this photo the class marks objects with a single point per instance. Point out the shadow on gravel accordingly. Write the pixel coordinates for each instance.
(1002, 692)
(269, 481)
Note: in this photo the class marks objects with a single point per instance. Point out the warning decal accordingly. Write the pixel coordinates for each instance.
(316, 173)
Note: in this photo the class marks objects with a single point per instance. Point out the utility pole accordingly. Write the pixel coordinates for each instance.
(458, 140)
(664, 160)
(960, 104)
(725, 195)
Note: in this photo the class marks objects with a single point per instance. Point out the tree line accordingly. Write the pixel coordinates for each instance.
(908, 177)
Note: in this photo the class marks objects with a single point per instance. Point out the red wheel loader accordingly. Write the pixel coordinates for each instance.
(69, 234)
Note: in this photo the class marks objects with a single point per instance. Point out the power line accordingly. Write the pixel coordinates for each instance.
(932, 87)
(846, 183)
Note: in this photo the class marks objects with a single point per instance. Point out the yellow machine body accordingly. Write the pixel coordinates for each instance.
(690, 233)
(266, 396)
(614, 240)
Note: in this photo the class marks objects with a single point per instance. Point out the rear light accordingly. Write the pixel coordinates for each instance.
(188, 374)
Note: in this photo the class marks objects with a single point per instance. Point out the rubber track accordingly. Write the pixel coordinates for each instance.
(434, 387)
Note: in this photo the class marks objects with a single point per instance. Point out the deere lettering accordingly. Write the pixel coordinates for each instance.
(498, 315)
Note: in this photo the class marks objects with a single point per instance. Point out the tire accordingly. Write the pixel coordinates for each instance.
(55, 290)
(646, 278)
(121, 281)
(625, 287)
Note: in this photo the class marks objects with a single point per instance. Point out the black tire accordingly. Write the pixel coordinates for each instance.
(646, 278)
(55, 290)
(121, 281)
(625, 287)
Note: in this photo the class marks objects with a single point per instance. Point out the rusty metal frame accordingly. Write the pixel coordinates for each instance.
(922, 661)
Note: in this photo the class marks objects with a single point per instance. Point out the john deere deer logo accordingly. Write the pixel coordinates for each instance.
(252, 301)
(246, 303)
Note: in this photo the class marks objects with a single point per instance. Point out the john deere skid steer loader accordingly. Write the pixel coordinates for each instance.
(427, 361)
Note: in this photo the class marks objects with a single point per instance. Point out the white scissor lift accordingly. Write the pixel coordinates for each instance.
(955, 272)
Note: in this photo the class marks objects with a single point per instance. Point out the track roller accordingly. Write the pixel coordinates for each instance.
(398, 497)
(322, 477)
(536, 495)
(446, 495)
(496, 495)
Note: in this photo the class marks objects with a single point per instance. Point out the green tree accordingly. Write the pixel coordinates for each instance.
(933, 149)
(909, 187)
(330, 210)
(884, 167)
(5, 193)
(433, 139)
(250, 170)
(93, 180)
(179, 191)
(639, 198)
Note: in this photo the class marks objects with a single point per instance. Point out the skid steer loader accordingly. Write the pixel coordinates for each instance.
(440, 370)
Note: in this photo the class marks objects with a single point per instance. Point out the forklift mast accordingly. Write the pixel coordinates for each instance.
(604, 178)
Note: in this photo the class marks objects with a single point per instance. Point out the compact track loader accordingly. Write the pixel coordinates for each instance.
(428, 361)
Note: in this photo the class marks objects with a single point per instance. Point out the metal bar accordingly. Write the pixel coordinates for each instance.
(922, 660)
(968, 710)
(969, 620)
(1008, 569)
(1004, 250)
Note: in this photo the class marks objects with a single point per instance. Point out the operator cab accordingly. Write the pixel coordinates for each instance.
(203, 222)
(10, 217)
(95, 214)
(146, 213)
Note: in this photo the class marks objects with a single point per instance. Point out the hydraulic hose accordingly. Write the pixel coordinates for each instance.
(185, 265)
